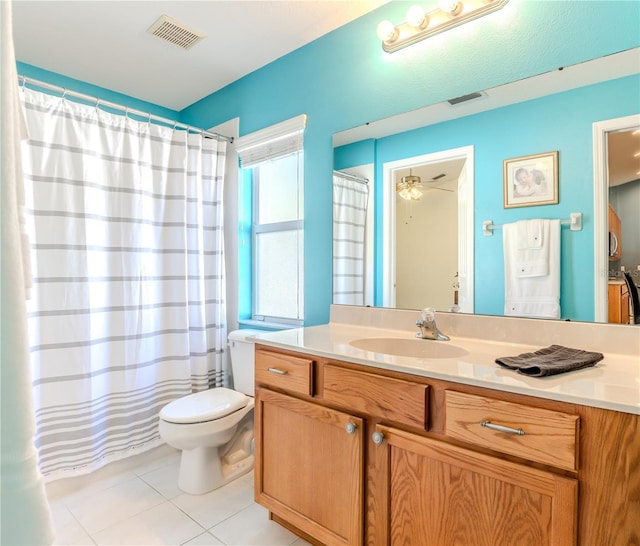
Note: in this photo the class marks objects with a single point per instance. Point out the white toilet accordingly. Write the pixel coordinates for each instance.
(214, 428)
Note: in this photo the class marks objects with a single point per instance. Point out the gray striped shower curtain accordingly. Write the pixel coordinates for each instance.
(127, 310)
(349, 221)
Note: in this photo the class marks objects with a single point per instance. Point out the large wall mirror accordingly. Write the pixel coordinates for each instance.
(431, 251)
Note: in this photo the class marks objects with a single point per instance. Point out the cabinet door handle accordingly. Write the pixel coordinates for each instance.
(377, 438)
(502, 428)
(278, 371)
(350, 427)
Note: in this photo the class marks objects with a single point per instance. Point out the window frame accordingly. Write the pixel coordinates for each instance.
(258, 228)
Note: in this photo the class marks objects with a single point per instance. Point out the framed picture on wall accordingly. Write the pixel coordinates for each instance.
(531, 180)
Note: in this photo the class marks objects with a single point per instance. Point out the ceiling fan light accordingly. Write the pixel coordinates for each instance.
(405, 194)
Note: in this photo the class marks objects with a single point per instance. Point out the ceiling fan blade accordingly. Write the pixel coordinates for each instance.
(441, 189)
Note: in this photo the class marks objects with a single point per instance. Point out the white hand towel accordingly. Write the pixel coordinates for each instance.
(530, 234)
(531, 254)
(532, 276)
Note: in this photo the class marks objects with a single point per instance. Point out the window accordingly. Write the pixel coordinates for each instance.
(274, 158)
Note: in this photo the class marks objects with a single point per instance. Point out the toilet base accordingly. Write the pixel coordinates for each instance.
(207, 468)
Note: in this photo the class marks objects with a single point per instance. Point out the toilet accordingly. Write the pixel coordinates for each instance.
(214, 428)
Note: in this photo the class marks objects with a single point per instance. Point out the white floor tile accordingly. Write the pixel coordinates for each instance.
(137, 502)
(252, 527)
(68, 531)
(218, 505)
(105, 508)
(164, 479)
(205, 539)
(301, 542)
(161, 457)
(163, 524)
(72, 490)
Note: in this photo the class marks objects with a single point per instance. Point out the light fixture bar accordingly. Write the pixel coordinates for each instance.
(439, 20)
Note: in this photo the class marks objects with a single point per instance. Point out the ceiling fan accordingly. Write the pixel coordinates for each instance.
(409, 186)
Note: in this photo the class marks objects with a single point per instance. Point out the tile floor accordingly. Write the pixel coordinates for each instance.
(137, 502)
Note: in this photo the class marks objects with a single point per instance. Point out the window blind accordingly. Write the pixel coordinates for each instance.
(272, 142)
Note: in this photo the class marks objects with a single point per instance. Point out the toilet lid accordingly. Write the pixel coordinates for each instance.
(204, 406)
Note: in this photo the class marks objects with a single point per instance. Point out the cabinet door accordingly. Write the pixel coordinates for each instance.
(310, 467)
(440, 494)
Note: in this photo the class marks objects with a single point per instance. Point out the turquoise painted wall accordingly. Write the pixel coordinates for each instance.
(102, 93)
(355, 154)
(344, 79)
(561, 122)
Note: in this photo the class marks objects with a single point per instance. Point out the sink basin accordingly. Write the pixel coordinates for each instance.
(418, 348)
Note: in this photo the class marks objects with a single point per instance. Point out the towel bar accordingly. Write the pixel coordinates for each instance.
(574, 222)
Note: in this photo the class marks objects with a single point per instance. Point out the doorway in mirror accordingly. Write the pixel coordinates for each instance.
(428, 242)
(616, 145)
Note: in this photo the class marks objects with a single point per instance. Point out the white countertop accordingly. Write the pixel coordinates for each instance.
(613, 383)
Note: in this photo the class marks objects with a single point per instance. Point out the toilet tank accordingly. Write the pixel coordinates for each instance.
(241, 350)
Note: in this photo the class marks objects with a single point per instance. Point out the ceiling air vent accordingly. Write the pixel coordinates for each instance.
(172, 31)
(465, 98)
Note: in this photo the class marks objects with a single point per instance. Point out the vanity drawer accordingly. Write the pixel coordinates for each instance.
(536, 434)
(391, 399)
(292, 373)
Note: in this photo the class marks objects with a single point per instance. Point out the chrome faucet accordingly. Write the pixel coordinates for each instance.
(428, 328)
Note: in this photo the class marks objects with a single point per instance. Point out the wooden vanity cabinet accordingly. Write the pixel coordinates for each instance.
(421, 467)
(439, 494)
(310, 467)
(618, 302)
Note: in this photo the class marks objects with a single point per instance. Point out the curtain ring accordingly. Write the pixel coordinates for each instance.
(126, 112)
(64, 92)
(97, 104)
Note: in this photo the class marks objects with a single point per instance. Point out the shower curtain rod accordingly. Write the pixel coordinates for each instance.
(352, 177)
(99, 102)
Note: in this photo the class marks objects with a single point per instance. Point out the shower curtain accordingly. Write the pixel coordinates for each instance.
(349, 221)
(25, 517)
(128, 310)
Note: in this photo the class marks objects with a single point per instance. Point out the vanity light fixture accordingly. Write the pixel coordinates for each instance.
(420, 24)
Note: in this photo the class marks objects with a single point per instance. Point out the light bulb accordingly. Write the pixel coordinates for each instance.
(404, 194)
(415, 16)
(415, 193)
(449, 6)
(386, 31)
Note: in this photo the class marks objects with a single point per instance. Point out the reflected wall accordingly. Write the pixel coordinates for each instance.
(561, 122)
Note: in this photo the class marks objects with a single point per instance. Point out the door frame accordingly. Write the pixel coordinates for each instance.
(601, 209)
(465, 223)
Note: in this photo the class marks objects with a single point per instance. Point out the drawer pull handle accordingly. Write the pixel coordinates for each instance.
(502, 428)
(278, 371)
(350, 427)
(377, 438)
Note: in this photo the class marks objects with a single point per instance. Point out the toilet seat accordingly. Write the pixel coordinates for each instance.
(204, 406)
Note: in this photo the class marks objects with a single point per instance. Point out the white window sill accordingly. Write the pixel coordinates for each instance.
(267, 325)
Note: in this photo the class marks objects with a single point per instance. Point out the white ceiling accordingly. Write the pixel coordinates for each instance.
(106, 43)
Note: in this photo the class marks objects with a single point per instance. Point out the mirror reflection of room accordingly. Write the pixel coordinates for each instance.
(623, 154)
(486, 122)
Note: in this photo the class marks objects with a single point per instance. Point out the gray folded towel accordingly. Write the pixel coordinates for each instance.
(550, 361)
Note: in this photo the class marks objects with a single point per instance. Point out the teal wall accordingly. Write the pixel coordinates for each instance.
(102, 93)
(344, 79)
(561, 122)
